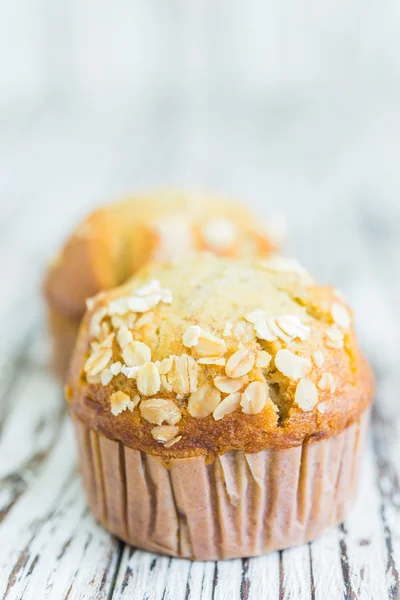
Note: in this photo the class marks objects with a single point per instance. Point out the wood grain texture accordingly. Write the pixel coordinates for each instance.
(54, 168)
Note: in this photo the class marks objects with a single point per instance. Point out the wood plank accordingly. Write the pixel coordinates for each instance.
(262, 577)
(152, 576)
(363, 537)
(30, 409)
(51, 546)
(227, 580)
(54, 549)
(350, 559)
(143, 575)
(327, 572)
(381, 247)
(295, 573)
(386, 444)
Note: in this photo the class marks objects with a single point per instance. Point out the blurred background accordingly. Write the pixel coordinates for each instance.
(293, 107)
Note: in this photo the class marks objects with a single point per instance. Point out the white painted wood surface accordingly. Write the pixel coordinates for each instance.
(341, 202)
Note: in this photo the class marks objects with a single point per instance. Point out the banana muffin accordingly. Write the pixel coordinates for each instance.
(220, 407)
(117, 239)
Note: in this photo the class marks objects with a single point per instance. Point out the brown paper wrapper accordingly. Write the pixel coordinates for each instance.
(240, 505)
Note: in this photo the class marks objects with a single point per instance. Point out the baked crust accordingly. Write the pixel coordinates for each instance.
(117, 239)
(209, 293)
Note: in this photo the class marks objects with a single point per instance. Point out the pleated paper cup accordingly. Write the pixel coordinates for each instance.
(240, 505)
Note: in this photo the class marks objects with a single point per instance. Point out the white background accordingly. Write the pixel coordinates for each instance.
(292, 104)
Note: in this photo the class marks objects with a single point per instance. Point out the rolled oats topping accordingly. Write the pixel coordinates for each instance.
(193, 373)
(175, 237)
(153, 287)
(144, 319)
(165, 385)
(254, 397)
(136, 354)
(227, 406)
(116, 367)
(119, 401)
(203, 402)
(255, 316)
(106, 337)
(94, 346)
(172, 442)
(218, 361)
(318, 359)
(341, 315)
(141, 300)
(227, 385)
(154, 290)
(124, 336)
(191, 336)
(264, 331)
(118, 307)
(240, 363)
(127, 321)
(306, 395)
(209, 344)
(280, 264)
(327, 382)
(129, 372)
(292, 366)
(105, 377)
(263, 358)
(159, 411)
(96, 320)
(242, 332)
(335, 337)
(141, 304)
(228, 329)
(166, 296)
(98, 361)
(164, 366)
(292, 326)
(219, 235)
(183, 375)
(321, 407)
(284, 327)
(280, 334)
(164, 433)
(275, 230)
(148, 379)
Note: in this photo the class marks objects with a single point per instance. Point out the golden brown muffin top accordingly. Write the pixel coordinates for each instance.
(208, 354)
(112, 243)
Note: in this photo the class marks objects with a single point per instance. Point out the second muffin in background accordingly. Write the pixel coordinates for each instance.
(220, 407)
(112, 243)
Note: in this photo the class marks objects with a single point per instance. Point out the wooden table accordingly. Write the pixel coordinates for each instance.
(53, 167)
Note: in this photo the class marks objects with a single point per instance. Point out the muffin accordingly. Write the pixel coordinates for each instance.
(116, 240)
(220, 407)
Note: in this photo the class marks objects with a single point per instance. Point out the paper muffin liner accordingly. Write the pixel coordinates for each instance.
(240, 505)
